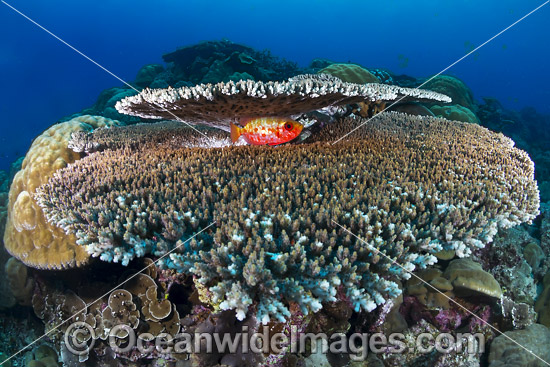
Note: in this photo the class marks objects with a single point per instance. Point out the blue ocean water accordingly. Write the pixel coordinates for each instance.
(44, 80)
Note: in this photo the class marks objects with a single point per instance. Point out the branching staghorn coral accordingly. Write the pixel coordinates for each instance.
(219, 104)
(408, 186)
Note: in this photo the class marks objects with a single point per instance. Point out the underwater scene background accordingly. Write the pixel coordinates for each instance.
(128, 196)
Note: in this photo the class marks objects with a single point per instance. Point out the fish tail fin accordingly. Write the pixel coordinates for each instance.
(236, 132)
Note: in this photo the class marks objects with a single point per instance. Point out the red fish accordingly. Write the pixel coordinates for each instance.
(266, 130)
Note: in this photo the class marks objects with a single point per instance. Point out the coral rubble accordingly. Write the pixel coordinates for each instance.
(407, 186)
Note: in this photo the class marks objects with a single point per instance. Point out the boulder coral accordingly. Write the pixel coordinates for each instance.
(28, 236)
(350, 73)
(521, 348)
(455, 112)
(454, 88)
(20, 283)
(468, 279)
(400, 183)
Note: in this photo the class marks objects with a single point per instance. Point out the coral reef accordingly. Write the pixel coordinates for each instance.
(505, 259)
(505, 353)
(427, 295)
(218, 105)
(28, 236)
(147, 74)
(221, 61)
(142, 305)
(515, 315)
(456, 355)
(105, 105)
(278, 243)
(350, 73)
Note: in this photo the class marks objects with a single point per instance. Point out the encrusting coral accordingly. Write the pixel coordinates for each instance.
(219, 104)
(141, 305)
(28, 236)
(408, 186)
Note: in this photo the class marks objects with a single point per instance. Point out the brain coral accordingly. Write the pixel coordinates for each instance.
(409, 186)
(350, 73)
(28, 236)
(218, 105)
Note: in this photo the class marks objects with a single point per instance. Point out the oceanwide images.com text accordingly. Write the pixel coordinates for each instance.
(80, 337)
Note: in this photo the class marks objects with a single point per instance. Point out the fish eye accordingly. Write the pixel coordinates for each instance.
(288, 126)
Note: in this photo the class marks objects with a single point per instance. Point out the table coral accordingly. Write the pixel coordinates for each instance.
(218, 105)
(400, 183)
(28, 236)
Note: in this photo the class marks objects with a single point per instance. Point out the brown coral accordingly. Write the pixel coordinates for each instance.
(455, 112)
(350, 73)
(469, 278)
(218, 105)
(28, 236)
(438, 296)
(454, 88)
(121, 310)
(21, 284)
(407, 184)
(521, 347)
(42, 356)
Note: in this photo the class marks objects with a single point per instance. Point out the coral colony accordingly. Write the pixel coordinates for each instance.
(308, 233)
(278, 243)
